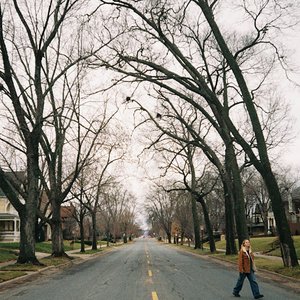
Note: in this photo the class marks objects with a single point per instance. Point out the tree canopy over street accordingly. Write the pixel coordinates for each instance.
(196, 88)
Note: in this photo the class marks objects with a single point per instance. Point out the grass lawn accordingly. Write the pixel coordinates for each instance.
(16, 270)
(9, 250)
(8, 275)
(264, 244)
(45, 247)
(264, 264)
(7, 254)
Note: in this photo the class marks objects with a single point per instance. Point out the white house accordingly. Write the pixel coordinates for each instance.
(9, 221)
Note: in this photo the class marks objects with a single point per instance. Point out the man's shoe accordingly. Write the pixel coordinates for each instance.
(259, 296)
(236, 295)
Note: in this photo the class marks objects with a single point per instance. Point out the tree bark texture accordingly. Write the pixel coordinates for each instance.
(288, 252)
(81, 228)
(94, 232)
(57, 234)
(209, 230)
(238, 194)
(229, 222)
(196, 224)
(27, 240)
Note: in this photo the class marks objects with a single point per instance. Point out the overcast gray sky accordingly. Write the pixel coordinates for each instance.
(292, 93)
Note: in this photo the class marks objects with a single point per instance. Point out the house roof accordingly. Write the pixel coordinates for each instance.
(67, 211)
(8, 216)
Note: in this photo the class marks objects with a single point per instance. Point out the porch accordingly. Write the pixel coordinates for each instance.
(9, 227)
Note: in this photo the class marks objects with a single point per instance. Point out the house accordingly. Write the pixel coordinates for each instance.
(291, 202)
(69, 225)
(9, 220)
(293, 209)
(256, 225)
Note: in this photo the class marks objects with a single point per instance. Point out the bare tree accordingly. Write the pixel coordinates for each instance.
(261, 162)
(178, 68)
(79, 192)
(112, 207)
(258, 197)
(59, 179)
(26, 40)
(127, 217)
(51, 94)
(181, 133)
(183, 216)
(110, 150)
(160, 206)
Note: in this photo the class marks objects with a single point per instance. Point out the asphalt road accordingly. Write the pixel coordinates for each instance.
(143, 270)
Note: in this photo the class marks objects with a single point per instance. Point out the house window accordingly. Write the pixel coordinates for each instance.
(7, 226)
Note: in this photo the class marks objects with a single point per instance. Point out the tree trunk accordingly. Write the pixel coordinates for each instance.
(81, 228)
(238, 193)
(107, 238)
(57, 234)
(212, 244)
(169, 236)
(288, 252)
(233, 176)
(28, 217)
(182, 237)
(196, 223)
(94, 232)
(125, 238)
(229, 222)
(27, 240)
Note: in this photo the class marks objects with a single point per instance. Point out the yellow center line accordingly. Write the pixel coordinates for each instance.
(154, 296)
(150, 273)
(148, 261)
